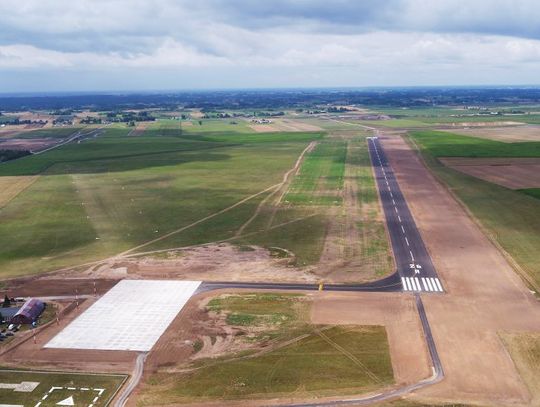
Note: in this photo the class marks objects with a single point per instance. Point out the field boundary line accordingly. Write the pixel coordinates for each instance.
(174, 232)
(349, 355)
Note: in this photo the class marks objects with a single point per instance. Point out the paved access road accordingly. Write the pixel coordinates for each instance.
(413, 262)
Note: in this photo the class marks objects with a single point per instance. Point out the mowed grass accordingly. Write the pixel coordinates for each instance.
(320, 179)
(338, 360)
(111, 193)
(511, 218)
(109, 383)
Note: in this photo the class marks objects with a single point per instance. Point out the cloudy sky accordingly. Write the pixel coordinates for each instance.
(71, 45)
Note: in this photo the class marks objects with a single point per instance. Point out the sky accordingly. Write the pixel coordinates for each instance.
(130, 45)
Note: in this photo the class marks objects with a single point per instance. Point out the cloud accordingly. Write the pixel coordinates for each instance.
(326, 40)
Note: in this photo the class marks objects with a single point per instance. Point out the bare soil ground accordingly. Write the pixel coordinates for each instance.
(295, 125)
(513, 173)
(35, 144)
(46, 286)
(487, 124)
(484, 295)
(139, 129)
(263, 128)
(213, 262)
(509, 134)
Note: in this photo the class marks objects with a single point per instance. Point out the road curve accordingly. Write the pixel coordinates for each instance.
(133, 382)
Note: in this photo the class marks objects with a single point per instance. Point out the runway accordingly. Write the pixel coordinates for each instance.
(414, 265)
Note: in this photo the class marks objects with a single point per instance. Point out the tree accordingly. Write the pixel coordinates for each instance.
(7, 302)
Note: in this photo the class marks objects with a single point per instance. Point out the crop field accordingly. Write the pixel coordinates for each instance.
(82, 202)
(509, 217)
(50, 388)
(299, 359)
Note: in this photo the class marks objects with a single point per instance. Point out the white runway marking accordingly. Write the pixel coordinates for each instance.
(412, 256)
(402, 229)
(395, 208)
(399, 218)
(438, 284)
(424, 284)
(429, 285)
(406, 240)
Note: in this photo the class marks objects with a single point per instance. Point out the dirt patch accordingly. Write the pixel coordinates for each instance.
(509, 134)
(487, 124)
(484, 295)
(513, 173)
(139, 129)
(295, 125)
(263, 128)
(213, 262)
(34, 144)
(46, 286)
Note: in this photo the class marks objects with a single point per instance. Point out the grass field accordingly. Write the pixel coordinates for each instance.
(320, 179)
(339, 360)
(94, 199)
(534, 192)
(509, 217)
(57, 386)
(273, 316)
(525, 351)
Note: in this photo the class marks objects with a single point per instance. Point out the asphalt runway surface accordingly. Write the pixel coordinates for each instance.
(413, 261)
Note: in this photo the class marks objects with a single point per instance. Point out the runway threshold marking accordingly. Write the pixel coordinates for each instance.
(429, 284)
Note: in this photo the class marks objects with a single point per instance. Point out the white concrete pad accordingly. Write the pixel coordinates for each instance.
(131, 316)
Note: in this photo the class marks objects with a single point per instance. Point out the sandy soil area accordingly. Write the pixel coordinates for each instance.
(296, 125)
(486, 124)
(513, 173)
(485, 296)
(139, 129)
(34, 144)
(263, 128)
(214, 262)
(509, 134)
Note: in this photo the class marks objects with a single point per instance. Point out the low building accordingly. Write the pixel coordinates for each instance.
(8, 313)
(29, 312)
